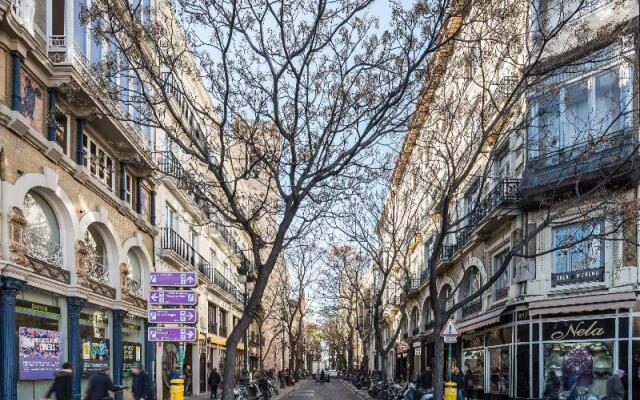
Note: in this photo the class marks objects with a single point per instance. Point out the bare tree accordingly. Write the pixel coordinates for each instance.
(289, 97)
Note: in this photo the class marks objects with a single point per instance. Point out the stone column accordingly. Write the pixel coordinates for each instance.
(118, 318)
(74, 307)
(51, 126)
(9, 288)
(16, 92)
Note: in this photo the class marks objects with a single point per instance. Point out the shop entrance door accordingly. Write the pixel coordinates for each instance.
(499, 372)
(634, 374)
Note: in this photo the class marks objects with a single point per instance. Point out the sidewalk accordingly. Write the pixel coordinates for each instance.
(283, 392)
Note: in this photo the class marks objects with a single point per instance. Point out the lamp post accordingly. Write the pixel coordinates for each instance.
(244, 378)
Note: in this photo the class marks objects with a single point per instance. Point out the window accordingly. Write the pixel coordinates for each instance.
(98, 161)
(428, 251)
(501, 286)
(42, 233)
(170, 217)
(577, 106)
(128, 188)
(502, 163)
(134, 278)
(61, 130)
(578, 247)
(80, 31)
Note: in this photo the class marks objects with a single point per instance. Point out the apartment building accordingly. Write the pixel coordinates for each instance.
(77, 225)
(569, 304)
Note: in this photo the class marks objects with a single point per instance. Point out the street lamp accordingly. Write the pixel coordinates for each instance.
(248, 286)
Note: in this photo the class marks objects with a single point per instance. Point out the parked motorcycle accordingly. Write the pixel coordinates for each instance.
(413, 392)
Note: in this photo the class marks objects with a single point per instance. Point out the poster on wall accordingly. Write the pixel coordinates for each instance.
(39, 353)
(132, 352)
(95, 355)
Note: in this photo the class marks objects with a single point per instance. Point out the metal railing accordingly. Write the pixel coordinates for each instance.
(169, 165)
(222, 331)
(505, 191)
(213, 329)
(97, 272)
(472, 308)
(501, 293)
(447, 251)
(464, 236)
(135, 287)
(171, 240)
(577, 276)
(39, 248)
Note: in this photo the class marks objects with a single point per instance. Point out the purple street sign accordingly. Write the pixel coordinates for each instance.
(160, 334)
(173, 315)
(172, 297)
(178, 279)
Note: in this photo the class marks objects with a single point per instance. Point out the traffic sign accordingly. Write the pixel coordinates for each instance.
(173, 315)
(450, 339)
(163, 334)
(176, 279)
(172, 297)
(450, 329)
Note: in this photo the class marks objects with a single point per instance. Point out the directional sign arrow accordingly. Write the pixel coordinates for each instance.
(173, 279)
(173, 316)
(165, 334)
(172, 297)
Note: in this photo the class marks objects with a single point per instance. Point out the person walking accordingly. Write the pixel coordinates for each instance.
(61, 385)
(214, 382)
(425, 381)
(141, 387)
(551, 387)
(458, 378)
(615, 387)
(100, 385)
(187, 380)
(469, 384)
(322, 377)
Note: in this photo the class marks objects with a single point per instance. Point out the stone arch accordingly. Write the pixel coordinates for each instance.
(98, 222)
(134, 247)
(45, 184)
(426, 314)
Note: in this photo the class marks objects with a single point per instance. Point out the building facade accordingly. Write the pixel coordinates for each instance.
(568, 305)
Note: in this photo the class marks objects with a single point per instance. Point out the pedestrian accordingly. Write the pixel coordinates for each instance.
(551, 387)
(425, 380)
(100, 385)
(322, 377)
(469, 383)
(141, 387)
(61, 385)
(187, 379)
(615, 387)
(458, 378)
(280, 378)
(214, 382)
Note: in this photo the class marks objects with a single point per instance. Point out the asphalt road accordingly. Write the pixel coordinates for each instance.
(334, 390)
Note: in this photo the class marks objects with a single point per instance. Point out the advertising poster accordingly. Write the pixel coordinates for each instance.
(132, 352)
(39, 353)
(95, 355)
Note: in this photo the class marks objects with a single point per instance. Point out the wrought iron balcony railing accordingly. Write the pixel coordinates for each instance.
(501, 293)
(98, 272)
(472, 308)
(577, 276)
(135, 287)
(213, 328)
(169, 165)
(505, 192)
(41, 249)
(222, 330)
(171, 240)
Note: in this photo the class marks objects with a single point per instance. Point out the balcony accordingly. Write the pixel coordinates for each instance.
(464, 236)
(213, 329)
(97, 272)
(413, 283)
(471, 309)
(135, 288)
(222, 331)
(227, 286)
(505, 193)
(612, 157)
(39, 248)
(501, 293)
(577, 276)
(447, 252)
(171, 240)
(170, 166)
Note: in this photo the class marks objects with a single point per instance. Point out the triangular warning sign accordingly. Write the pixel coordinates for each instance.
(450, 329)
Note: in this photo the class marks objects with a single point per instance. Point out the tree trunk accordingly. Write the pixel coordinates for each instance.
(438, 361)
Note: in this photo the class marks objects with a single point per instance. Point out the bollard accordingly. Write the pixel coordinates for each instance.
(450, 391)
(176, 391)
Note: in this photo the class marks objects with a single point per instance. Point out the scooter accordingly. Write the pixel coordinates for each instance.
(413, 392)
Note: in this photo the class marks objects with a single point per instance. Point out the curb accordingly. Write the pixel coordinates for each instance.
(356, 392)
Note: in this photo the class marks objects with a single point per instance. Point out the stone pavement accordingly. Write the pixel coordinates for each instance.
(283, 392)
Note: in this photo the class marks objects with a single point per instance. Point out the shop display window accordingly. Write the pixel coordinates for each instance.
(473, 361)
(522, 370)
(535, 370)
(500, 371)
(582, 368)
(634, 373)
(522, 333)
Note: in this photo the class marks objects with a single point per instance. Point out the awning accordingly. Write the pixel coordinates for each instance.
(485, 319)
(569, 305)
(218, 340)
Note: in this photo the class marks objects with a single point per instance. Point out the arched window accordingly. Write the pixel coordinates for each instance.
(426, 313)
(471, 282)
(445, 297)
(96, 256)
(42, 233)
(134, 279)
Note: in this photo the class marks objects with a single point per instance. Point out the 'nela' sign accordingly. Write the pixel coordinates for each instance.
(579, 329)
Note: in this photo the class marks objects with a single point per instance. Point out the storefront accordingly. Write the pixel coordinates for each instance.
(515, 358)
(95, 336)
(132, 345)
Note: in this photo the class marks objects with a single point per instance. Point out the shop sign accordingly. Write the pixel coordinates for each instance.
(522, 315)
(39, 353)
(131, 353)
(174, 279)
(30, 305)
(95, 355)
(172, 297)
(173, 315)
(579, 329)
(166, 334)
(476, 341)
(417, 351)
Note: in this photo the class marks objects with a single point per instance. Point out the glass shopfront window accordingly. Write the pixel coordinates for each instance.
(132, 340)
(473, 369)
(95, 344)
(40, 343)
(499, 371)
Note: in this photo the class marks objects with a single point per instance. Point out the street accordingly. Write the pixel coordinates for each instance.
(333, 390)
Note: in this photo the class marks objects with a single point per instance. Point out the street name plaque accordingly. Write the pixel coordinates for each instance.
(166, 334)
(173, 316)
(172, 297)
(173, 279)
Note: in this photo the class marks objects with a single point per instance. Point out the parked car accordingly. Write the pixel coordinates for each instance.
(332, 373)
